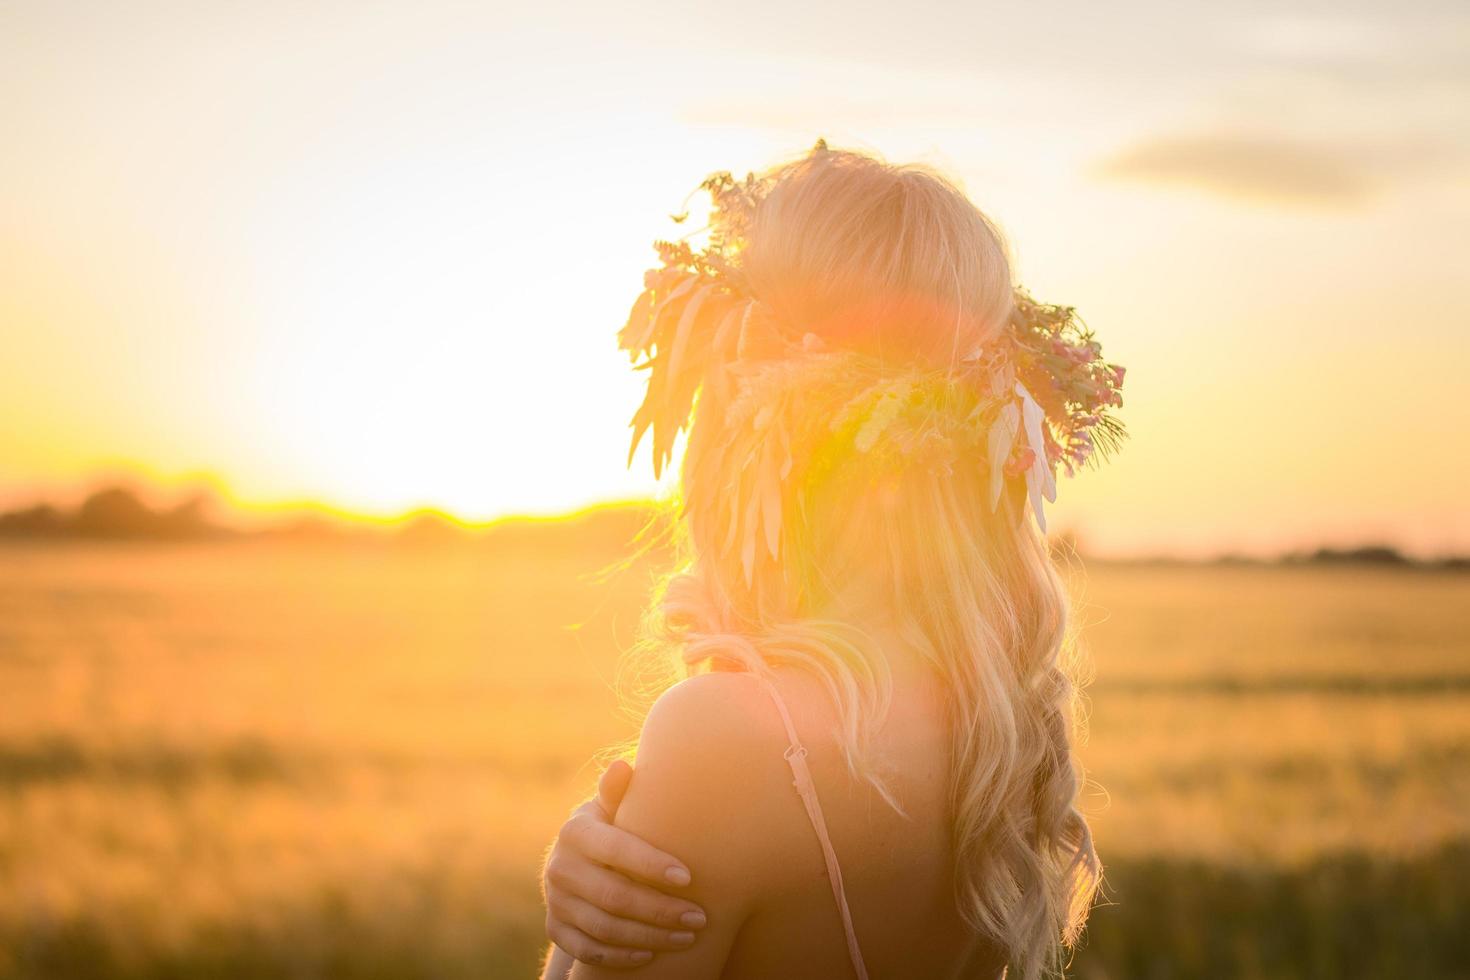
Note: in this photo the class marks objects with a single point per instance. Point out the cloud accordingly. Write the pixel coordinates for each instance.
(1327, 111)
(1268, 169)
(1261, 168)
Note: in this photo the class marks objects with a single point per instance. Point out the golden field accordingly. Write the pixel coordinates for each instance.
(249, 759)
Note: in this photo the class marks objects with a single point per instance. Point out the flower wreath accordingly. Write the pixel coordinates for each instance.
(1035, 399)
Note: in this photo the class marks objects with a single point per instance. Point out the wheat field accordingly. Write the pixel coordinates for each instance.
(344, 760)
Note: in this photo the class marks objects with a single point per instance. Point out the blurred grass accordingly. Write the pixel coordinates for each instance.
(1354, 914)
(248, 760)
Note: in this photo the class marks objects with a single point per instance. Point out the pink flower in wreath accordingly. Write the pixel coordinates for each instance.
(1020, 461)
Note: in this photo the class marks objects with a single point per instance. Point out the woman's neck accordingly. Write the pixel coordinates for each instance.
(894, 633)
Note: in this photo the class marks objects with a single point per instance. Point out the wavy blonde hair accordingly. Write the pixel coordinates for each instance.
(897, 261)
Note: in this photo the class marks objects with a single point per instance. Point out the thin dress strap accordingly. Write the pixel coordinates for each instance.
(807, 789)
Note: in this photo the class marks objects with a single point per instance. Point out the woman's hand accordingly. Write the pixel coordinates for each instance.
(604, 903)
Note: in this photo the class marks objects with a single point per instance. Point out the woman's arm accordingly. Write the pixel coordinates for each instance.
(598, 907)
(558, 964)
(707, 761)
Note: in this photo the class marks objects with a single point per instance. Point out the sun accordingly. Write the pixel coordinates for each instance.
(438, 338)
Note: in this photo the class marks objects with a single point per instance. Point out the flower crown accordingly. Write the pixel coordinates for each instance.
(1031, 401)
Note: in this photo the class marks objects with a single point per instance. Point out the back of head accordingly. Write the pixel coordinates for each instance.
(856, 369)
(890, 259)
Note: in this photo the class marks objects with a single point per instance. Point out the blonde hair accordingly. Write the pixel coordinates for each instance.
(895, 260)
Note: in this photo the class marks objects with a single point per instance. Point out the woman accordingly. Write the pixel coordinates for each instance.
(864, 609)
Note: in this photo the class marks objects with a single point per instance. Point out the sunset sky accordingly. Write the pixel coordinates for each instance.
(376, 254)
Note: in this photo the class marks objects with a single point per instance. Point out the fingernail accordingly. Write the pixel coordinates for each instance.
(681, 938)
(641, 957)
(677, 875)
(694, 920)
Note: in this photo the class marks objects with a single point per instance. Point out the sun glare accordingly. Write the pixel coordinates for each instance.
(438, 337)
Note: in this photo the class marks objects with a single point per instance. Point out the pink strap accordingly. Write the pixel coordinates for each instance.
(807, 789)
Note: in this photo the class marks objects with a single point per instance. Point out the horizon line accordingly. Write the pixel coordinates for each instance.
(195, 508)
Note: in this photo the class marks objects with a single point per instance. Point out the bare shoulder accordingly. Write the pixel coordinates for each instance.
(716, 717)
(707, 787)
(710, 783)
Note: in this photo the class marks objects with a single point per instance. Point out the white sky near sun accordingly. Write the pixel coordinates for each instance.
(376, 254)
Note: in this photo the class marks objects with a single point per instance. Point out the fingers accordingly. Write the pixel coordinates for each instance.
(618, 896)
(618, 849)
(613, 786)
(596, 909)
(624, 933)
(588, 950)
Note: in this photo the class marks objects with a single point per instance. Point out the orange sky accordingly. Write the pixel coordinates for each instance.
(377, 254)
